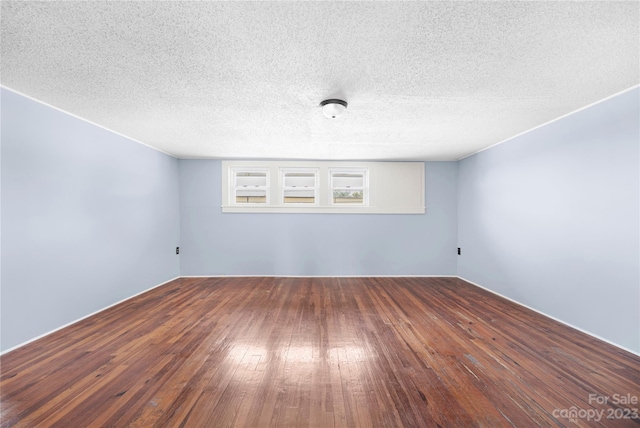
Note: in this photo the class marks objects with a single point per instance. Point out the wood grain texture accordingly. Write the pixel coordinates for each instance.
(319, 352)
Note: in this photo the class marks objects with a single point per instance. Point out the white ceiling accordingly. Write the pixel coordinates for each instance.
(424, 80)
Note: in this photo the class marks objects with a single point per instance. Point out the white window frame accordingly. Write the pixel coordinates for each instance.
(364, 188)
(233, 175)
(393, 187)
(315, 188)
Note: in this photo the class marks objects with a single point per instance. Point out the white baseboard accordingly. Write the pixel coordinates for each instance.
(84, 317)
(319, 276)
(552, 317)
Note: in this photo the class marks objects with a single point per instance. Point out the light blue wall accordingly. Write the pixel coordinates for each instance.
(88, 218)
(213, 243)
(551, 219)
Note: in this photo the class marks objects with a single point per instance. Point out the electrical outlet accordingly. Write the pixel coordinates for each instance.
(178, 250)
(458, 250)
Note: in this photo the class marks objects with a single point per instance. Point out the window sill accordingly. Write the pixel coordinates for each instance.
(322, 210)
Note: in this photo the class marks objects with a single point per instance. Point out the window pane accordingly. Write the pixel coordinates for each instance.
(251, 196)
(348, 196)
(301, 196)
(347, 180)
(299, 179)
(255, 178)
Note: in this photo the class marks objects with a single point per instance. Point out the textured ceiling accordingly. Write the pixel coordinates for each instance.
(424, 80)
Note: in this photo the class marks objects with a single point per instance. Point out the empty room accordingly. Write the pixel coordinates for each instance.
(320, 214)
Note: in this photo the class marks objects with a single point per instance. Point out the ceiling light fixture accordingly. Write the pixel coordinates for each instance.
(333, 108)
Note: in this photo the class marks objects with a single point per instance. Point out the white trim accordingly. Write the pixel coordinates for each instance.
(320, 209)
(552, 317)
(85, 120)
(319, 276)
(551, 121)
(6, 351)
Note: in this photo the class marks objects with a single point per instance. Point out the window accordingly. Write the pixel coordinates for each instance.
(335, 187)
(250, 186)
(349, 187)
(299, 186)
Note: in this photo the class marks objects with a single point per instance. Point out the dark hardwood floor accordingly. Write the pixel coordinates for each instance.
(343, 352)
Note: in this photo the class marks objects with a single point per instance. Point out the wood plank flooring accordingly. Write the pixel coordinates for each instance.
(321, 352)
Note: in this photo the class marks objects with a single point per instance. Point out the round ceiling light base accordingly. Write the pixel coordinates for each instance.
(333, 108)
